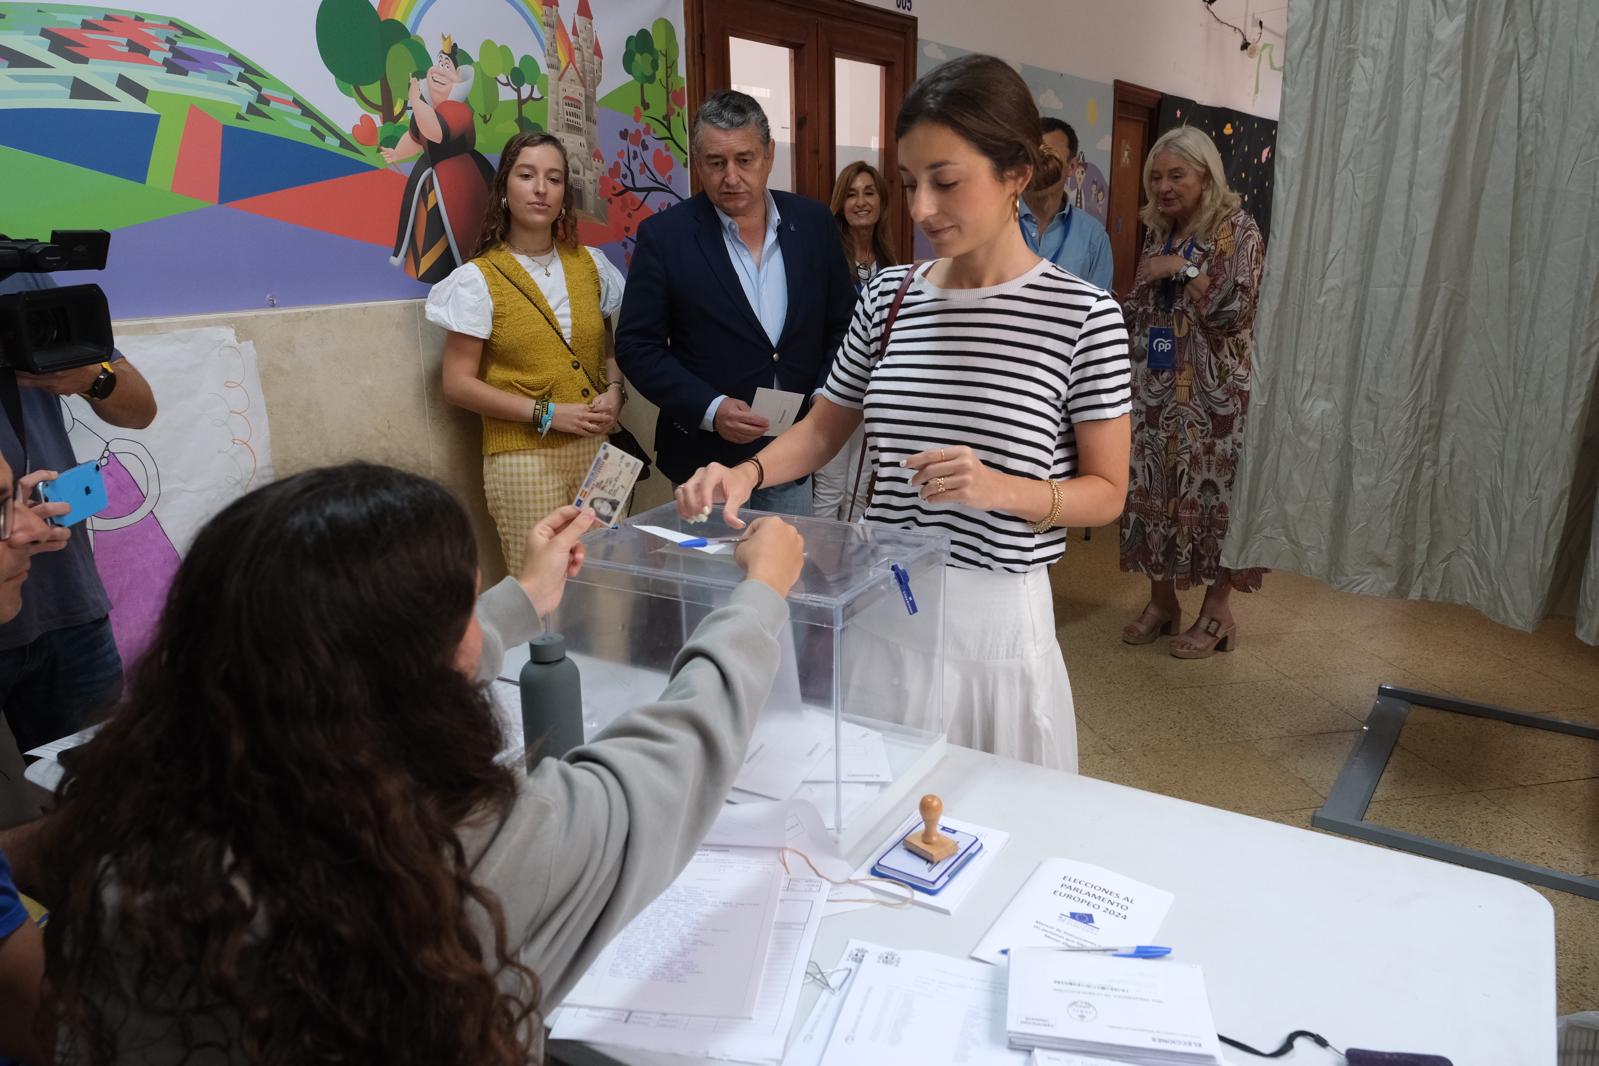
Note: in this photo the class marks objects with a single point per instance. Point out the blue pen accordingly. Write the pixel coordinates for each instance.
(705, 542)
(1139, 951)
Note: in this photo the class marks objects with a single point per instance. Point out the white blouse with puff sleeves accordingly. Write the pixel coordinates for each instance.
(462, 303)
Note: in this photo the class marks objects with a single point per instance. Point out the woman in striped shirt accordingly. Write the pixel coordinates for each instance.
(998, 409)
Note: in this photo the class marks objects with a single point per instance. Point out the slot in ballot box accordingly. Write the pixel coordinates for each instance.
(856, 716)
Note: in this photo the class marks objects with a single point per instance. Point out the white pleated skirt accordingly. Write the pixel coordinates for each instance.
(1004, 685)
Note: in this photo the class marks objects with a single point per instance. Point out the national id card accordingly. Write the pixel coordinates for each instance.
(609, 483)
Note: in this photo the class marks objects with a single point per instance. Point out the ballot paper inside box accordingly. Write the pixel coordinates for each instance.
(856, 715)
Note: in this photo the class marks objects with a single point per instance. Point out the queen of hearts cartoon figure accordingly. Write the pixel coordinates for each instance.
(441, 213)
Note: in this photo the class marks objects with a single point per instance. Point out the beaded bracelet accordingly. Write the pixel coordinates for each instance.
(1054, 508)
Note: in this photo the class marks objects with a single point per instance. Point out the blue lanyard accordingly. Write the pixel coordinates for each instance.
(1168, 288)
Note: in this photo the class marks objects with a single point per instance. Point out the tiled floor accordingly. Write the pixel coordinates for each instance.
(1264, 730)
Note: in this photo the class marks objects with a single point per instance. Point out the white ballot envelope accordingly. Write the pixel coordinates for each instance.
(778, 408)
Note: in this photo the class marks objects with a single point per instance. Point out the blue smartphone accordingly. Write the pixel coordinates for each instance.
(82, 487)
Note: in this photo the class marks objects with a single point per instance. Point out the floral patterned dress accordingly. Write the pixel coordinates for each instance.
(1188, 422)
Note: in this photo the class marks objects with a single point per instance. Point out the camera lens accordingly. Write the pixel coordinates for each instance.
(47, 326)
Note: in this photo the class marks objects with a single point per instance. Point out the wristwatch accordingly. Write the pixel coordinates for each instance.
(1186, 274)
(104, 385)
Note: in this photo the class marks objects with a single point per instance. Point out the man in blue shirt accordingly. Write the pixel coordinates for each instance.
(736, 289)
(1071, 239)
(58, 660)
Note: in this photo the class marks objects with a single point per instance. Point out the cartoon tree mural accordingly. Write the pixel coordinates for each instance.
(641, 61)
(485, 94)
(372, 60)
(521, 76)
(637, 185)
(651, 58)
(673, 88)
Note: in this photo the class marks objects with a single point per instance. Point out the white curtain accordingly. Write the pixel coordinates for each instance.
(1429, 328)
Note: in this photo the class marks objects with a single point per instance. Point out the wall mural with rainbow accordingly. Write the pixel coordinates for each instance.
(323, 151)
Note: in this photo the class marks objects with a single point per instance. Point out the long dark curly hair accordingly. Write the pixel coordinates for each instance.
(262, 841)
(497, 217)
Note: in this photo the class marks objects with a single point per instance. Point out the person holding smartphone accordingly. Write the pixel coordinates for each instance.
(59, 663)
(24, 533)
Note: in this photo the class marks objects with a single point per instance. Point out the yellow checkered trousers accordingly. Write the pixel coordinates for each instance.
(525, 485)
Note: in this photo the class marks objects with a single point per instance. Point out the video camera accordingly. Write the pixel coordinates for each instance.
(46, 330)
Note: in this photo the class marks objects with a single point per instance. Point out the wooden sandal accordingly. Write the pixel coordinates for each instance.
(1165, 626)
(1221, 640)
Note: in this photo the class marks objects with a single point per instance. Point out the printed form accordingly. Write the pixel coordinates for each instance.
(699, 948)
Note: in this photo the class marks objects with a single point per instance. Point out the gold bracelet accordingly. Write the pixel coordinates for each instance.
(1054, 508)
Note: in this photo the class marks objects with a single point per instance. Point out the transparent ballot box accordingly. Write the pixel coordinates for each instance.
(855, 717)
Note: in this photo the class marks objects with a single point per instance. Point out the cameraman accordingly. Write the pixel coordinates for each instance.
(58, 661)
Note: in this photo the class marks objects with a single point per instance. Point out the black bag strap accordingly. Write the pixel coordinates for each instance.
(882, 350)
(11, 400)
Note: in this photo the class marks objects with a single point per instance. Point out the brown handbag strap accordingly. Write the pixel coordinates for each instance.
(882, 350)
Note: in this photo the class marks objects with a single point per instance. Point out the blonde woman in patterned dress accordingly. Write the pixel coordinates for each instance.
(1190, 321)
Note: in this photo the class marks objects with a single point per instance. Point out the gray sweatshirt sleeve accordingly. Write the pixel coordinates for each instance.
(593, 838)
(506, 617)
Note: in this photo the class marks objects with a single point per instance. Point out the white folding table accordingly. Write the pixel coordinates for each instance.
(1369, 947)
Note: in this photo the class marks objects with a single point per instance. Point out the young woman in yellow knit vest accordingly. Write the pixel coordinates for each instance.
(529, 346)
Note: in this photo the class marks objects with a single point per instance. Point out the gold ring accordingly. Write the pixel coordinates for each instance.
(938, 486)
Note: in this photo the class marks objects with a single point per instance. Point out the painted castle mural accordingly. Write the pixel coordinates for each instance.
(329, 151)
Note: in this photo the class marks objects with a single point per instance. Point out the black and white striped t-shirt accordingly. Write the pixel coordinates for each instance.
(1006, 370)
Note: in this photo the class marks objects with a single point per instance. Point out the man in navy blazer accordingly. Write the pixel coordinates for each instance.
(735, 289)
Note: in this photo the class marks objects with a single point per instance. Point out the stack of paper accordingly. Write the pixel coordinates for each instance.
(908, 1007)
(1066, 903)
(46, 772)
(702, 972)
(1129, 1010)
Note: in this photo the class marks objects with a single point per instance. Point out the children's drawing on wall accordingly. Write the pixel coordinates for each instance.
(326, 139)
(1246, 143)
(208, 445)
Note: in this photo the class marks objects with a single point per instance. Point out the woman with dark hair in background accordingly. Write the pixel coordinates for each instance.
(293, 843)
(529, 346)
(861, 209)
(997, 408)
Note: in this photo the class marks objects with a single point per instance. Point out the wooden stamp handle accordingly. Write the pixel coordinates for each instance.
(932, 809)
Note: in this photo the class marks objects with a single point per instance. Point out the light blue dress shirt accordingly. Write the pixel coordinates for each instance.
(1074, 241)
(765, 283)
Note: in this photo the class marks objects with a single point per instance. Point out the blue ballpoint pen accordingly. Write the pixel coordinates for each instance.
(1138, 951)
(701, 542)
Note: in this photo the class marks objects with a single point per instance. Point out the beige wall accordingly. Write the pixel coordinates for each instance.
(1171, 46)
(361, 381)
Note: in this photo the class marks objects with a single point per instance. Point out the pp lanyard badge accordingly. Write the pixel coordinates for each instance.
(1162, 348)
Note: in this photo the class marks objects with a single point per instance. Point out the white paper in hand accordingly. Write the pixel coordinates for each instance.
(779, 408)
